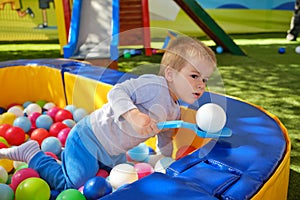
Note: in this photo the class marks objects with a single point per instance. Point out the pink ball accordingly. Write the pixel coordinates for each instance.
(143, 169)
(21, 175)
(33, 116)
(62, 135)
(62, 115)
(52, 112)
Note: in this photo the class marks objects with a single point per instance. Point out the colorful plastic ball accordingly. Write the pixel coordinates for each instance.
(49, 105)
(143, 169)
(23, 122)
(4, 128)
(19, 164)
(41, 103)
(33, 189)
(6, 192)
(219, 49)
(39, 135)
(7, 118)
(51, 155)
(79, 114)
(33, 108)
(32, 117)
(211, 118)
(62, 135)
(52, 112)
(56, 127)
(183, 151)
(103, 173)
(122, 174)
(26, 103)
(96, 188)
(70, 108)
(139, 153)
(2, 110)
(21, 175)
(281, 50)
(44, 121)
(7, 164)
(51, 144)
(3, 175)
(61, 115)
(3, 145)
(162, 164)
(70, 194)
(15, 136)
(17, 110)
(69, 122)
(297, 49)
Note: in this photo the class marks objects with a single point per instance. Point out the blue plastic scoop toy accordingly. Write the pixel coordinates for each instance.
(225, 132)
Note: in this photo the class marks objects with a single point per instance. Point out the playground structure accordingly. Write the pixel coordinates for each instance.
(96, 38)
(251, 164)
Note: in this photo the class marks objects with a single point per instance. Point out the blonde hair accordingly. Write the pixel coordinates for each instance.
(184, 50)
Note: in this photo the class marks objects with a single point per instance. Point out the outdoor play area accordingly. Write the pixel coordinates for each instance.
(53, 77)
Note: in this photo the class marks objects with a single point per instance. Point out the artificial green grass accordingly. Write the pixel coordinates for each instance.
(263, 77)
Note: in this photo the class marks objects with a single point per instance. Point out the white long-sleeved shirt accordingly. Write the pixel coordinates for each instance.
(149, 94)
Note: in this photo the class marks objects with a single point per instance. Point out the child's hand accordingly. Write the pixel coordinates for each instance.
(141, 122)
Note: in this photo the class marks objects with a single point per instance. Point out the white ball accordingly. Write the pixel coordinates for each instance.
(162, 164)
(122, 174)
(297, 49)
(211, 118)
(17, 110)
(3, 175)
(31, 108)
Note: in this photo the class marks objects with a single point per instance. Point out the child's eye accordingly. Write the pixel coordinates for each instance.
(205, 80)
(194, 76)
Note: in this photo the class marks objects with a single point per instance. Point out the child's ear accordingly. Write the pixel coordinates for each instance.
(169, 73)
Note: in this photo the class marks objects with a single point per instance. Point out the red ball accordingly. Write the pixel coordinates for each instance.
(15, 136)
(52, 112)
(184, 150)
(61, 115)
(4, 128)
(21, 175)
(2, 145)
(51, 154)
(56, 127)
(103, 173)
(39, 135)
(62, 135)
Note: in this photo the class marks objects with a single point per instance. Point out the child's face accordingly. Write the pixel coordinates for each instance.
(189, 83)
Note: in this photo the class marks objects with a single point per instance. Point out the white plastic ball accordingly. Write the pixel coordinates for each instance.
(17, 110)
(211, 118)
(297, 49)
(31, 108)
(49, 105)
(122, 174)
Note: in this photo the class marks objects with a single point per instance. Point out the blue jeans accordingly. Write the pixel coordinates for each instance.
(81, 159)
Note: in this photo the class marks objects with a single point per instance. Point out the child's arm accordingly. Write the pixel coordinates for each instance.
(141, 122)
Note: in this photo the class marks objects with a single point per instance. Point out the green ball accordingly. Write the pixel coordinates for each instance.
(33, 189)
(70, 194)
(41, 103)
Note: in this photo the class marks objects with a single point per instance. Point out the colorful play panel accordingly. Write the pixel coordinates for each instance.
(251, 164)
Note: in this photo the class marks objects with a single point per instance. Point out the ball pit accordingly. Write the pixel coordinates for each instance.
(183, 170)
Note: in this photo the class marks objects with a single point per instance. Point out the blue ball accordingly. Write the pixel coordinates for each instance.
(44, 121)
(51, 144)
(96, 188)
(69, 122)
(70, 108)
(139, 153)
(23, 122)
(219, 49)
(79, 114)
(281, 50)
(6, 192)
(2, 110)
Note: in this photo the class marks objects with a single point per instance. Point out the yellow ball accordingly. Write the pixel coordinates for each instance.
(7, 118)
(7, 164)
